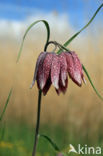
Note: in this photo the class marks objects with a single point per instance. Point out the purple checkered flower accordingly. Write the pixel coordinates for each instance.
(54, 68)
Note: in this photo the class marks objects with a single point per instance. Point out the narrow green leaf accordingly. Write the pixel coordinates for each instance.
(51, 142)
(6, 103)
(2, 131)
(92, 83)
(48, 35)
(75, 35)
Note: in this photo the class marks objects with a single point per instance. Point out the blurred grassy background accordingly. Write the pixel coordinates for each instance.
(74, 118)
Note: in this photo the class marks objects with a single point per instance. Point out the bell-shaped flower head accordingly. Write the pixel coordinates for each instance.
(54, 68)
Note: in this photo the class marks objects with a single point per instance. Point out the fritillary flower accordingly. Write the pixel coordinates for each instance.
(52, 68)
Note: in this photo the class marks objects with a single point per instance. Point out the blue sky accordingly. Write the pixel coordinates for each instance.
(76, 10)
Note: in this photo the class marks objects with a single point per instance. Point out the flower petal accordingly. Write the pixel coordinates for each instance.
(63, 67)
(40, 58)
(40, 73)
(47, 86)
(47, 67)
(74, 67)
(78, 68)
(61, 87)
(55, 71)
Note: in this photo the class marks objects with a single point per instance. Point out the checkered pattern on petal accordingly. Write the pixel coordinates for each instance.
(74, 67)
(55, 71)
(39, 60)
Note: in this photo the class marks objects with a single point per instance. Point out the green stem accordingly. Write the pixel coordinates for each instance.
(37, 124)
(7, 101)
(56, 44)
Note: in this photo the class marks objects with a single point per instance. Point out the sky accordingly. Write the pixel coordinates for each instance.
(21, 9)
(75, 12)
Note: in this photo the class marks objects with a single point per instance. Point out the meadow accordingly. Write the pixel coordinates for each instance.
(73, 118)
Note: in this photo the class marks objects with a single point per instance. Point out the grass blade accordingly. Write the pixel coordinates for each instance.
(51, 142)
(92, 83)
(7, 101)
(2, 131)
(48, 35)
(75, 35)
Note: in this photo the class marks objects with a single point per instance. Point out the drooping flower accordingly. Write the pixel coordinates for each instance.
(54, 68)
